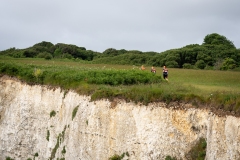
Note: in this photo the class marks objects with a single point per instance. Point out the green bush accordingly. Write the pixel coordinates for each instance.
(25, 73)
(52, 113)
(187, 66)
(228, 63)
(68, 77)
(48, 57)
(198, 151)
(48, 135)
(74, 112)
(170, 158)
(44, 55)
(36, 155)
(64, 150)
(116, 157)
(200, 64)
(66, 55)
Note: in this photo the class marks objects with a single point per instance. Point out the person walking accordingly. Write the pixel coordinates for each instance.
(165, 73)
(153, 70)
(142, 67)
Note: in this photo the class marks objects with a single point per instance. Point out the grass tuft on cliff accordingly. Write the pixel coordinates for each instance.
(198, 151)
(74, 112)
(52, 113)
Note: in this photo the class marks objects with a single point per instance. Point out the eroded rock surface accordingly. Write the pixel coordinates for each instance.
(101, 129)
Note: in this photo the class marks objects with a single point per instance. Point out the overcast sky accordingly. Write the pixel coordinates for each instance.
(144, 25)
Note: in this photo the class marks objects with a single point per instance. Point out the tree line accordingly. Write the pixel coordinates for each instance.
(216, 52)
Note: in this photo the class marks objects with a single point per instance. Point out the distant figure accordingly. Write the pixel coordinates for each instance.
(153, 70)
(142, 67)
(165, 73)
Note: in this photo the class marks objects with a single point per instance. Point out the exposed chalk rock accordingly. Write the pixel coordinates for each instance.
(102, 128)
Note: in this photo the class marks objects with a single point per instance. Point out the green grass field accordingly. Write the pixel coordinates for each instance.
(204, 81)
(221, 88)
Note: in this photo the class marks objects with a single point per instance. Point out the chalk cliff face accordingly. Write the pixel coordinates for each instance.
(101, 129)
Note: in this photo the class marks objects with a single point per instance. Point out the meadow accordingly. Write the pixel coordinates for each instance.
(214, 88)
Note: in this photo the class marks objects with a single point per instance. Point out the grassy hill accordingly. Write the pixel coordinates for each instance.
(215, 53)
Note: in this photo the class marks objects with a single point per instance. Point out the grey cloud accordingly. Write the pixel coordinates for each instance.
(133, 25)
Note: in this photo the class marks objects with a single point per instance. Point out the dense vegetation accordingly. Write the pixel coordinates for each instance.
(216, 52)
(70, 77)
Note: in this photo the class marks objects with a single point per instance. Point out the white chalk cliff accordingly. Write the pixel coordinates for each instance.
(102, 128)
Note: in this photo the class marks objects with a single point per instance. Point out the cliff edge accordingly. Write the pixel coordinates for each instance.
(40, 122)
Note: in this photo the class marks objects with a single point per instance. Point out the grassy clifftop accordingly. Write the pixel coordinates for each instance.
(218, 89)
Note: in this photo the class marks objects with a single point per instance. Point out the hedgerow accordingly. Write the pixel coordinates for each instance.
(71, 77)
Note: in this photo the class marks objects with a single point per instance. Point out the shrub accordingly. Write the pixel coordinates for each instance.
(187, 66)
(36, 155)
(228, 63)
(52, 113)
(198, 151)
(170, 158)
(37, 73)
(68, 78)
(63, 150)
(17, 55)
(115, 157)
(74, 112)
(43, 54)
(172, 64)
(200, 64)
(66, 55)
(9, 69)
(48, 135)
(48, 57)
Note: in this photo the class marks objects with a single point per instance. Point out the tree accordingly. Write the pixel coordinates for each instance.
(48, 56)
(228, 63)
(206, 58)
(44, 44)
(187, 66)
(44, 55)
(216, 39)
(30, 53)
(200, 64)
(172, 64)
(110, 52)
(67, 55)
(57, 53)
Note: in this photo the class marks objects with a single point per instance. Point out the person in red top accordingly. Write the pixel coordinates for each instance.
(165, 73)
